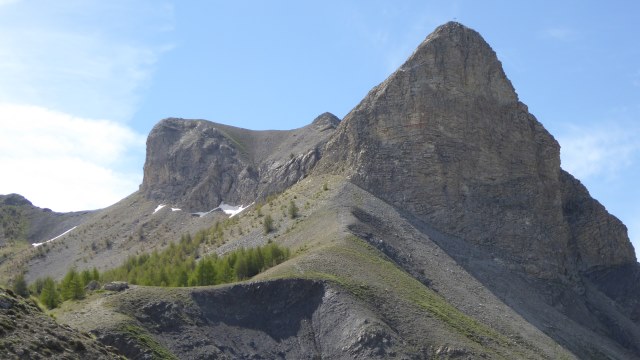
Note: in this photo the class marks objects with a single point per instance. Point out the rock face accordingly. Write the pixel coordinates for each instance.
(197, 164)
(293, 319)
(446, 139)
(116, 286)
(597, 239)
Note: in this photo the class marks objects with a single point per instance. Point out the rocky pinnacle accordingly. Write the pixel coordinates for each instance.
(446, 139)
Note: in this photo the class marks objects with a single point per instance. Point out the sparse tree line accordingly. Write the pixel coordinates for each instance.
(52, 293)
(178, 265)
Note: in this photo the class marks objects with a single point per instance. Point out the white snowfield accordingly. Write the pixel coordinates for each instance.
(57, 237)
(231, 210)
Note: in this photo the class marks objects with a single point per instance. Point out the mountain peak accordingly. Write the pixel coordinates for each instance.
(456, 59)
(14, 200)
(446, 139)
(326, 119)
(453, 27)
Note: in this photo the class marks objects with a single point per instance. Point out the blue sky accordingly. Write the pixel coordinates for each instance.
(83, 82)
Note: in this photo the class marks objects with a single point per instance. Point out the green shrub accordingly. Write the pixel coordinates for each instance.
(267, 224)
(293, 210)
(72, 286)
(20, 286)
(49, 296)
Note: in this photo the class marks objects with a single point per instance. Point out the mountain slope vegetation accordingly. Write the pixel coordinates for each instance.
(434, 221)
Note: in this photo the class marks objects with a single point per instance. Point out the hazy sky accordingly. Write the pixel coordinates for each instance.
(83, 82)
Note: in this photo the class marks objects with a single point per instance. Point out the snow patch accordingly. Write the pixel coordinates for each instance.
(231, 209)
(57, 237)
(159, 208)
(201, 213)
(176, 209)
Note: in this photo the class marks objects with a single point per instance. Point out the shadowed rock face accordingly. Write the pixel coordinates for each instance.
(197, 164)
(292, 319)
(445, 138)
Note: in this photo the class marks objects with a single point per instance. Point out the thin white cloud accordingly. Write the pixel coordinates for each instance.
(64, 162)
(599, 151)
(8, 2)
(560, 33)
(64, 64)
(606, 158)
(73, 57)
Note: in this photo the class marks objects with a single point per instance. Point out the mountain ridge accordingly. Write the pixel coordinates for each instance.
(451, 122)
(277, 160)
(21, 220)
(435, 217)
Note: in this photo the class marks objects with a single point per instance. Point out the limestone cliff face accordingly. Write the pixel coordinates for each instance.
(446, 139)
(597, 239)
(196, 164)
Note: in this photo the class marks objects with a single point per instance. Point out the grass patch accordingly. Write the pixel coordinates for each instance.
(368, 275)
(144, 339)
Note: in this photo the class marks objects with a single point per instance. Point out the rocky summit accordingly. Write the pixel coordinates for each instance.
(446, 139)
(433, 222)
(199, 164)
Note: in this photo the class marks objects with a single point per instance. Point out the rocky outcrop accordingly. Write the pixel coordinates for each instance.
(116, 286)
(289, 318)
(197, 164)
(194, 161)
(446, 139)
(28, 333)
(597, 239)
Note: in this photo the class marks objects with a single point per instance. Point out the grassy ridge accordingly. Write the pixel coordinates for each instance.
(371, 277)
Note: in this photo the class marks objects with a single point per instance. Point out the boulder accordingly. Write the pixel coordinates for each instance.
(116, 286)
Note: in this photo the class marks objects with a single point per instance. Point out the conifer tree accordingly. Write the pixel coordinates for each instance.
(20, 286)
(49, 295)
(71, 286)
(95, 274)
(241, 268)
(85, 276)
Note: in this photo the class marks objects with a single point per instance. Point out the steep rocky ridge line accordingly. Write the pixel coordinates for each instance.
(457, 234)
(196, 164)
(575, 316)
(21, 220)
(446, 138)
